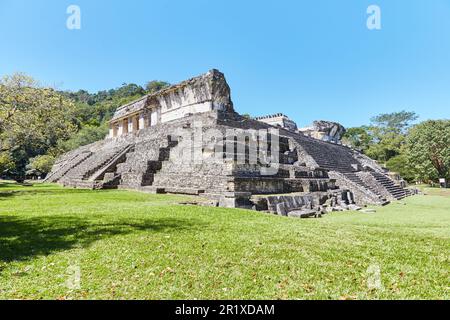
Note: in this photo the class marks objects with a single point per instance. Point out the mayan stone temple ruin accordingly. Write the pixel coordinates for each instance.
(187, 139)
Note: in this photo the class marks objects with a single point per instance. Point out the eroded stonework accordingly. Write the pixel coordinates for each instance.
(325, 130)
(188, 139)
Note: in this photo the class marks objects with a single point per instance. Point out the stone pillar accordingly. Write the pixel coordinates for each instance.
(350, 198)
(130, 124)
(125, 126)
(136, 123)
(155, 116)
(115, 129)
(111, 130)
(120, 129)
(152, 118)
(158, 115)
(142, 121)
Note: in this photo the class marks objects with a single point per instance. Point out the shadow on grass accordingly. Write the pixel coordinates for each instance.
(7, 183)
(11, 190)
(5, 195)
(22, 239)
(13, 184)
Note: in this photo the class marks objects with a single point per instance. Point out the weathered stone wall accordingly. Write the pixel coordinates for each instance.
(279, 120)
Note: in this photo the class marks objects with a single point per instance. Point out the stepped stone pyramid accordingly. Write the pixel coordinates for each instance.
(187, 139)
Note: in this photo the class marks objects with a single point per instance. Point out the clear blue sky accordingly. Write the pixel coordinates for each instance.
(310, 59)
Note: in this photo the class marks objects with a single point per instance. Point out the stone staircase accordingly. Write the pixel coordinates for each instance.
(361, 193)
(341, 159)
(79, 175)
(68, 165)
(356, 179)
(140, 168)
(329, 156)
(110, 165)
(395, 190)
(139, 179)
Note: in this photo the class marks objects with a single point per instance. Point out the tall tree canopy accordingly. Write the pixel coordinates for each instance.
(396, 121)
(358, 137)
(32, 118)
(384, 138)
(155, 86)
(428, 149)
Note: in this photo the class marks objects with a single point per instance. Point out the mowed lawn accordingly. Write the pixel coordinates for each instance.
(60, 243)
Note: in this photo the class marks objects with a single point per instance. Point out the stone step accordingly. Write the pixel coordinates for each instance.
(152, 189)
(356, 179)
(395, 190)
(79, 183)
(180, 190)
(70, 165)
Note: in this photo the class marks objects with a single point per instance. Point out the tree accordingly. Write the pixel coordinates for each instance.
(127, 90)
(15, 92)
(32, 119)
(82, 96)
(384, 139)
(386, 144)
(358, 137)
(428, 151)
(6, 163)
(155, 86)
(396, 121)
(43, 163)
(400, 165)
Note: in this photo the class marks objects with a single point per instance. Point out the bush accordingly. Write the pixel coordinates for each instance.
(43, 163)
(6, 162)
(399, 164)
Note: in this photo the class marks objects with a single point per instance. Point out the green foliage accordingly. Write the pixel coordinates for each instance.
(400, 165)
(384, 138)
(428, 149)
(358, 137)
(43, 163)
(32, 119)
(88, 134)
(155, 86)
(386, 144)
(124, 91)
(6, 162)
(396, 121)
(95, 109)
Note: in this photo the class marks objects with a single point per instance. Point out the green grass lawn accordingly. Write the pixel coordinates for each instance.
(130, 245)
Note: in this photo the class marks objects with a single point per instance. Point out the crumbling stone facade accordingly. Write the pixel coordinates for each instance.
(188, 139)
(325, 130)
(279, 120)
